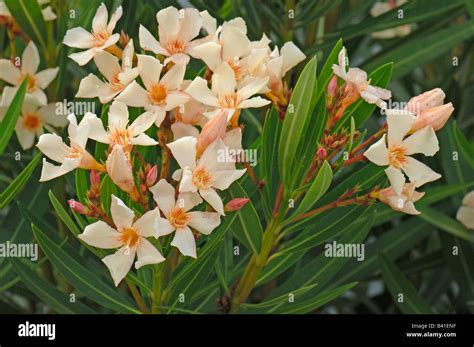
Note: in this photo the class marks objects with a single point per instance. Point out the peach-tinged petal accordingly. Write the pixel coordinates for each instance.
(186, 184)
(96, 130)
(50, 117)
(51, 171)
(144, 140)
(396, 178)
(48, 14)
(99, 22)
(78, 38)
(30, 59)
(53, 147)
(119, 169)
(378, 153)
(223, 80)
(468, 199)
(466, 216)
(399, 123)
(180, 130)
(118, 115)
(254, 102)
(40, 96)
(422, 141)
(9, 73)
(213, 199)
(149, 43)
(163, 194)
(150, 70)
(25, 137)
(224, 178)
(134, 95)
(107, 64)
(188, 200)
(292, 55)
(419, 173)
(204, 222)
(119, 264)
(147, 224)
(235, 44)
(114, 18)
(184, 151)
(101, 235)
(190, 25)
(45, 77)
(174, 77)
(199, 90)
(176, 99)
(252, 88)
(122, 215)
(164, 227)
(82, 58)
(210, 53)
(142, 123)
(168, 21)
(89, 87)
(147, 254)
(184, 241)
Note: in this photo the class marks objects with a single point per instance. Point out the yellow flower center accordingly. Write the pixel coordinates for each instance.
(228, 100)
(236, 67)
(201, 178)
(157, 94)
(31, 122)
(178, 217)
(175, 46)
(120, 137)
(100, 38)
(130, 238)
(396, 156)
(75, 152)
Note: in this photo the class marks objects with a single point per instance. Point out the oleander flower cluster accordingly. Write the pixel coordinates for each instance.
(194, 121)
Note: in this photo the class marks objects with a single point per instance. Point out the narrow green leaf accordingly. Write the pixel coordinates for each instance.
(466, 147)
(82, 278)
(445, 223)
(404, 294)
(49, 294)
(7, 126)
(317, 189)
(19, 182)
(296, 114)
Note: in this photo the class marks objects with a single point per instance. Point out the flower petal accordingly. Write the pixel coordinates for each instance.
(199, 90)
(184, 151)
(45, 77)
(254, 102)
(9, 73)
(122, 215)
(78, 38)
(184, 241)
(163, 194)
(210, 53)
(175, 99)
(119, 264)
(173, 79)
(149, 69)
(30, 59)
(168, 21)
(101, 235)
(378, 153)
(89, 87)
(142, 123)
(53, 147)
(51, 171)
(147, 254)
(251, 88)
(190, 25)
(204, 222)
(96, 130)
(223, 80)
(422, 141)
(399, 123)
(418, 172)
(187, 200)
(186, 184)
(107, 64)
(99, 22)
(396, 178)
(118, 115)
(224, 178)
(147, 224)
(466, 216)
(114, 18)
(213, 199)
(82, 58)
(164, 227)
(134, 95)
(149, 43)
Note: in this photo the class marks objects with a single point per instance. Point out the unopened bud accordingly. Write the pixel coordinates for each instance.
(321, 153)
(95, 180)
(332, 86)
(77, 206)
(236, 204)
(151, 176)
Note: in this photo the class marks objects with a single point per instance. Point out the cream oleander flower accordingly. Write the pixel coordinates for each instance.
(356, 79)
(47, 12)
(118, 77)
(176, 31)
(380, 8)
(119, 132)
(206, 174)
(465, 213)
(225, 93)
(128, 236)
(404, 202)
(100, 38)
(161, 95)
(71, 157)
(396, 152)
(180, 219)
(37, 81)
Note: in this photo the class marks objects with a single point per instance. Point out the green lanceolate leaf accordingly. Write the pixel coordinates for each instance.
(445, 223)
(403, 292)
(317, 189)
(297, 112)
(28, 15)
(19, 182)
(7, 126)
(83, 279)
(48, 293)
(247, 227)
(63, 215)
(464, 145)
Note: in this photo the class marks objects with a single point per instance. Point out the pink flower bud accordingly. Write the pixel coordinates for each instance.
(236, 204)
(77, 206)
(429, 99)
(213, 130)
(95, 180)
(435, 116)
(151, 176)
(321, 153)
(332, 86)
